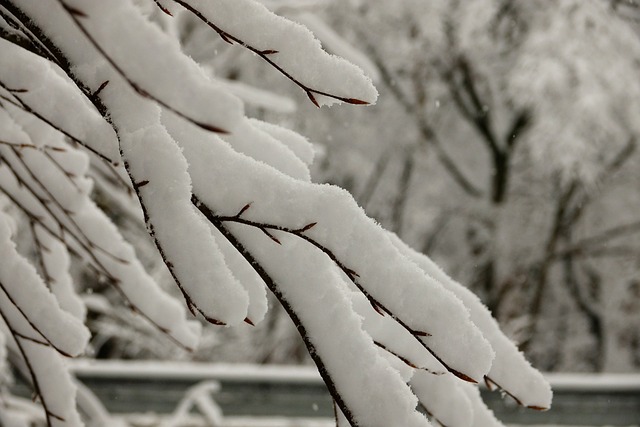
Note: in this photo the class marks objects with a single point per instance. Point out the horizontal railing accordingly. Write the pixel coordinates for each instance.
(265, 391)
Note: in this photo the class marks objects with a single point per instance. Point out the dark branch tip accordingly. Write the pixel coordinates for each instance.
(224, 36)
(313, 98)
(74, 11)
(308, 227)
(190, 306)
(462, 376)
(356, 101)
(214, 321)
(271, 236)
(244, 209)
(351, 273)
(102, 86)
(210, 128)
(377, 308)
(162, 8)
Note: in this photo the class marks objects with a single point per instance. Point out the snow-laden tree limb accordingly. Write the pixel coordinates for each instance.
(229, 204)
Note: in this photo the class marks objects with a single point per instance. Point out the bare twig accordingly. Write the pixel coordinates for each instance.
(424, 127)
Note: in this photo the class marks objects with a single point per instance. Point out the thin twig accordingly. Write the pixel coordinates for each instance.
(407, 361)
(266, 55)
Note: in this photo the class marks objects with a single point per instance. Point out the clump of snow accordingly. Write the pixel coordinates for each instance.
(296, 142)
(26, 302)
(290, 46)
(342, 228)
(52, 96)
(510, 370)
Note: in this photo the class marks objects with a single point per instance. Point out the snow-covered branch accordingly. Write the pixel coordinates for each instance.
(229, 204)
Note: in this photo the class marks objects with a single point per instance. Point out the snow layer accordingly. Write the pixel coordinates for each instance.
(482, 415)
(47, 370)
(510, 370)
(258, 97)
(443, 398)
(184, 239)
(393, 337)
(247, 277)
(26, 301)
(56, 262)
(65, 212)
(55, 385)
(251, 140)
(131, 43)
(52, 96)
(376, 396)
(343, 229)
(296, 142)
(337, 45)
(291, 47)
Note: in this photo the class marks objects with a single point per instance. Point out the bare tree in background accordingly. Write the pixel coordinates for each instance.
(515, 127)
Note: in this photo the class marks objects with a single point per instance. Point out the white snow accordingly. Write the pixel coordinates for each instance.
(356, 241)
(297, 50)
(209, 178)
(296, 142)
(510, 370)
(444, 398)
(131, 41)
(376, 396)
(26, 302)
(52, 96)
(258, 97)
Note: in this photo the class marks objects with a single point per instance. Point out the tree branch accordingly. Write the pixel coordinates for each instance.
(19, 103)
(424, 128)
(275, 289)
(265, 55)
(75, 16)
(349, 273)
(32, 373)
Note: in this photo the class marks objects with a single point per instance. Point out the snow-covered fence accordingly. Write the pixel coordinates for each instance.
(285, 391)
